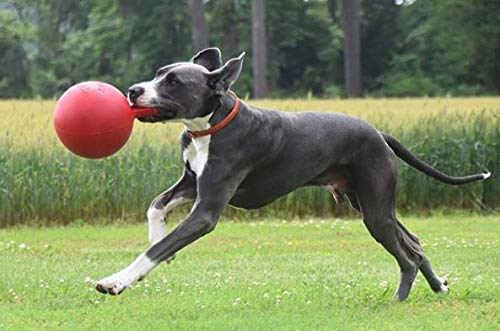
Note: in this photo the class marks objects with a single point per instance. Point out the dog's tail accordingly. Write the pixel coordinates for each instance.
(420, 165)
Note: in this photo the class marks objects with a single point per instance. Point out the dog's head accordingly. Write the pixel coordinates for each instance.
(187, 90)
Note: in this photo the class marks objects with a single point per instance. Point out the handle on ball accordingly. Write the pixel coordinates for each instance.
(144, 111)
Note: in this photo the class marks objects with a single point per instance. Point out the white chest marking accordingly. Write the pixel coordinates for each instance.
(197, 154)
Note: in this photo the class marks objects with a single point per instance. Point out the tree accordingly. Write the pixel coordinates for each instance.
(305, 49)
(380, 34)
(298, 47)
(51, 73)
(259, 49)
(231, 33)
(199, 25)
(14, 71)
(352, 48)
(224, 20)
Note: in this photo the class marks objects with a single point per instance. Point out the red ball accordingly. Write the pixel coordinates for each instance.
(94, 119)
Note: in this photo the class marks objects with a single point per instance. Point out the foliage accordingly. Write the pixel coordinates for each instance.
(315, 274)
(13, 58)
(426, 48)
(41, 182)
(448, 47)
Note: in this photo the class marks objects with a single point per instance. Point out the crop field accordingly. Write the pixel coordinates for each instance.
(42, 183)
(313, 274)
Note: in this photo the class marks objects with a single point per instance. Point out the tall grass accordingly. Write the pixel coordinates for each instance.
(41, 182)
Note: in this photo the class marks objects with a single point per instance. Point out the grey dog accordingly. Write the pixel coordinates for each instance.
(259, 156)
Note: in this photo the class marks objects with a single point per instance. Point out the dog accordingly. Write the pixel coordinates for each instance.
(235, 154)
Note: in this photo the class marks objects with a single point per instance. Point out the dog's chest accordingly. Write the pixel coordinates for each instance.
(196, 154)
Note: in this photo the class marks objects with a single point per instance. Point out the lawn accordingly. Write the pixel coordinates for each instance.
(312, 274)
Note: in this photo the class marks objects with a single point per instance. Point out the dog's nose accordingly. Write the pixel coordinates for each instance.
(135, 92)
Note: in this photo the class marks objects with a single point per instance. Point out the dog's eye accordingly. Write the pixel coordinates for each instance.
(171, 80)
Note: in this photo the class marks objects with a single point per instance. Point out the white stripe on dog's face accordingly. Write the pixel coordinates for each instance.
(149, 96)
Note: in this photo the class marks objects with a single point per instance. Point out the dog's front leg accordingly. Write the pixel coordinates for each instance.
(179, 193)
(212, 197)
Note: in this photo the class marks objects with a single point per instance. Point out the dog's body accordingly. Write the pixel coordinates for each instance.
(262, 155)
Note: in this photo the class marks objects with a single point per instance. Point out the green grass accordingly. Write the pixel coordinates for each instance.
(312, 274)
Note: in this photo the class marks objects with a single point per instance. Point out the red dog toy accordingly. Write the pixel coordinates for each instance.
(94, 119)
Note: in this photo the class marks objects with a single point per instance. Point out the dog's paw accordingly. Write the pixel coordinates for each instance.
(444, 286)
(122, 280)
(112, 287)
(114, 284)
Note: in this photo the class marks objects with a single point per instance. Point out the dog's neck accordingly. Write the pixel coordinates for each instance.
(226, 104)
(216, 114)
(198, 123)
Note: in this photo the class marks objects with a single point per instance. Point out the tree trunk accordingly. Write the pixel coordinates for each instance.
(352, 48)
(259, 49)
(332, 9)
(199, 25)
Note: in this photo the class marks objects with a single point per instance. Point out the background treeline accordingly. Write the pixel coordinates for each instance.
(408, 49)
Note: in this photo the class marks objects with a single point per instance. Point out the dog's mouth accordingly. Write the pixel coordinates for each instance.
(162, 116)
(167, 110)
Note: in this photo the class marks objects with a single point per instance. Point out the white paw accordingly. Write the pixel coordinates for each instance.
(444, 285)
(122, 280)
(444, 289)
(112, 286)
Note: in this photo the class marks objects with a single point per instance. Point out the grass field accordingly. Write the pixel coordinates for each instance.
(316, 274)
(41, 182)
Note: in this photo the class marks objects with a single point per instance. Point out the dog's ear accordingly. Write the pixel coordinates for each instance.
(209, 58)
(220, 80)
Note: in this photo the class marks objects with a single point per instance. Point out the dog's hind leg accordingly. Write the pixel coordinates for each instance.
(374, 184)
(376, 196)
(437, 284)
(181, 192)
(385, 231)
(353, 201)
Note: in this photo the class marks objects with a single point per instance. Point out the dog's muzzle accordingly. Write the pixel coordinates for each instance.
(134, 93)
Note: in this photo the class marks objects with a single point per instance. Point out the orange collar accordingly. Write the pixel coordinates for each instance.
(219, 126)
